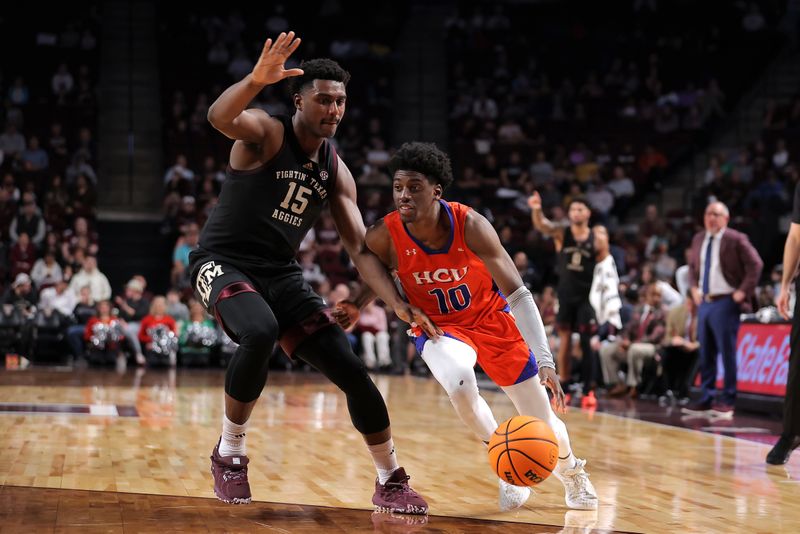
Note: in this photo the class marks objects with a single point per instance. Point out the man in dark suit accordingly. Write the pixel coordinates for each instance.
(724, 269)
(790, 437)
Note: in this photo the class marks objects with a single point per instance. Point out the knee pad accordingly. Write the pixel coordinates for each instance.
(247, 319)
(259, 336)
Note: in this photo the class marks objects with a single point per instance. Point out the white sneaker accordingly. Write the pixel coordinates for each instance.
(511, 496)
(579, 492)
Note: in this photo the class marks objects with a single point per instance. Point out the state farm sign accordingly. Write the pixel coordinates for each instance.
(762, 359)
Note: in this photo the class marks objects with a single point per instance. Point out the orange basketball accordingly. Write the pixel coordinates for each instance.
(523, 451)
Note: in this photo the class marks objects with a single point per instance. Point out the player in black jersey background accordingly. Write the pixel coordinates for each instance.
(576, 261)
(282, 173)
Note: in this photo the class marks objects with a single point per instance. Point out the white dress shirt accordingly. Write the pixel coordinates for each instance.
(717, 285)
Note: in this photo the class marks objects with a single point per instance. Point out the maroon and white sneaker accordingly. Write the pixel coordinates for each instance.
(230, 477)
(397, 496)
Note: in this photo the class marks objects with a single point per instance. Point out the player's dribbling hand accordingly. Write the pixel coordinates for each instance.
(417, 318)
(535, 201)
(346, 314)
(269, 68)
(549, 379)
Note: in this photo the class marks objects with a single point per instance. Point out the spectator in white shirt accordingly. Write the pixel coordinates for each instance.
(58, 297)
(46, 271)
(91, 276)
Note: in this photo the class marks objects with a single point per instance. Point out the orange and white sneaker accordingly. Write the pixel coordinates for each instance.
(579, 493)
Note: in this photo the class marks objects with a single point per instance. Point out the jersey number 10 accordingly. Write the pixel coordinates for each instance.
(458, 298)
(300, 199)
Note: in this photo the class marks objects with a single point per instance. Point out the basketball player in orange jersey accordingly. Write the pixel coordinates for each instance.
(451, 264)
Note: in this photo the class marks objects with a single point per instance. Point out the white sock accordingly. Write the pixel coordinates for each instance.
(566, 463)
(385, 459)
(232, 443)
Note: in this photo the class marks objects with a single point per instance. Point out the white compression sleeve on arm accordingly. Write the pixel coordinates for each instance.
(530, 325)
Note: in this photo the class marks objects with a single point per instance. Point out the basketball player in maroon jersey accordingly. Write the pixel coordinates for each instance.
(576, 261)
(282, 173)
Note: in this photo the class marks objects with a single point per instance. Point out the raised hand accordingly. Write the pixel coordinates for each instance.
(535, 201)
(270, 66)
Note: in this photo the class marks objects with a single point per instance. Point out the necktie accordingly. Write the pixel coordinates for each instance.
(707, 267)
(644, 321)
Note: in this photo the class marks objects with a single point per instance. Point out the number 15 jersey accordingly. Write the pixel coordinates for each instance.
(263, 214)
(455, 289)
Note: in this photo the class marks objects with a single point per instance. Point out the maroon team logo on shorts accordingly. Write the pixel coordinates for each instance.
(208, 272)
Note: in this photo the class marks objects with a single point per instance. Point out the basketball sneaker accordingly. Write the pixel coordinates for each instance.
(230, 477)
(512, 496)
(397, 496)
(579, 492)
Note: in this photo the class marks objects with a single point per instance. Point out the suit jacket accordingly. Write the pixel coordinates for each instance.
(739, 261)
(651, 332)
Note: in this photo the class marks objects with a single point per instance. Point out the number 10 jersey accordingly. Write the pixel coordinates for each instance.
(455, 289)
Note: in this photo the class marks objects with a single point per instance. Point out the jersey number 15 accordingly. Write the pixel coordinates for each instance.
(300, 199)
(457, 297)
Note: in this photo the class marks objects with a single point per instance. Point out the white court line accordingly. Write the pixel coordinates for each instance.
(103, 409)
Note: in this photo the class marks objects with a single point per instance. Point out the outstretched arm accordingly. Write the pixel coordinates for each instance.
(346, 312)
(542, 223)
(351, 229)
(482, 239)
(228, 114)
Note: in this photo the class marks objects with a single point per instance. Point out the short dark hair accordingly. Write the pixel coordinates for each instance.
(424, 158)
(580, 200)
(318, 69)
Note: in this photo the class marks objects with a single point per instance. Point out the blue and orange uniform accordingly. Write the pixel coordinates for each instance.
(455, 289)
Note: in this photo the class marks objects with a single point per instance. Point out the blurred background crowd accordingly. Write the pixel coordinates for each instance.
(693, 102)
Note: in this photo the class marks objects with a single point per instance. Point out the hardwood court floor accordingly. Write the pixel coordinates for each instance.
(132, 439)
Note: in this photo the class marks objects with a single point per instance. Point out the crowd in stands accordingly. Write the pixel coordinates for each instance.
(601, 117)
(605, 123)
(48, 155)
